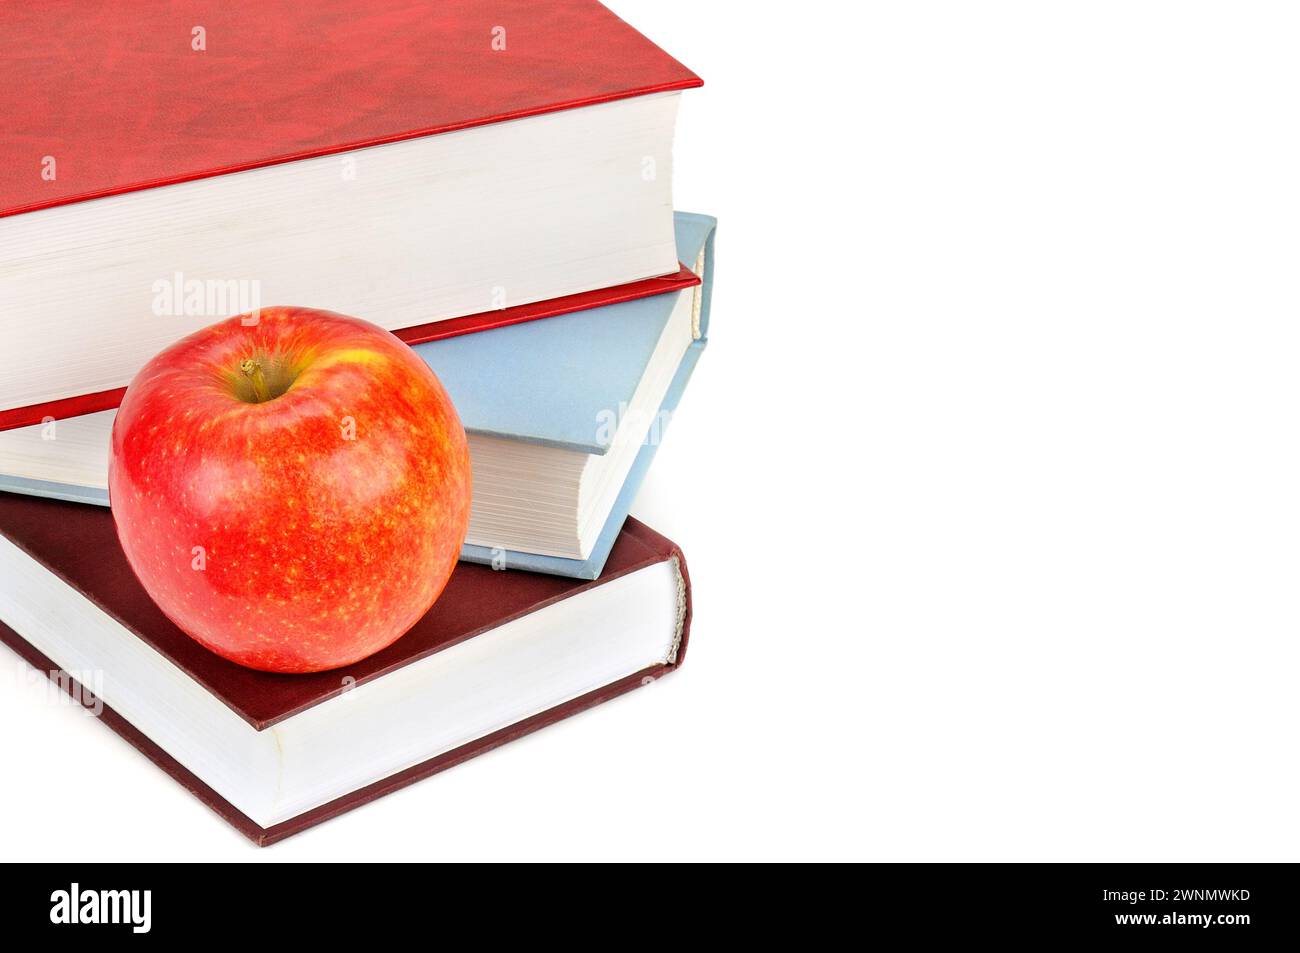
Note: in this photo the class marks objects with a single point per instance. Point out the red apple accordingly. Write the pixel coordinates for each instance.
(293, 494)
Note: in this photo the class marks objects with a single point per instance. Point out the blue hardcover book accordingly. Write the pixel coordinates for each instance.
(564, 416)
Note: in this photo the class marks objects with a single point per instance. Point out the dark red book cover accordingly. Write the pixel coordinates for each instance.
(79, 543)
(119, 93)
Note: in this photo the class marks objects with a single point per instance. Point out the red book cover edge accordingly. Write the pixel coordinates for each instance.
(66, 407)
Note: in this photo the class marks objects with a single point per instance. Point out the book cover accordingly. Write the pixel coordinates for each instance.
(212, 89)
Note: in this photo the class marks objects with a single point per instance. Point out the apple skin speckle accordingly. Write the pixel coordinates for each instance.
(330, 502)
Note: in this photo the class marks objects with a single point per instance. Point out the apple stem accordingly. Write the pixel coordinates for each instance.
(253, 370)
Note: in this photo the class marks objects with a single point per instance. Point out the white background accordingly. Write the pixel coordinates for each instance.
(988, 481)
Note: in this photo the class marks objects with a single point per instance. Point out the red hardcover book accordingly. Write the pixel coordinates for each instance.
(499, 655)
(163, 162)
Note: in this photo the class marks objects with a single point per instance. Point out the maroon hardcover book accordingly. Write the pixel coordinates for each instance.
(79, 545)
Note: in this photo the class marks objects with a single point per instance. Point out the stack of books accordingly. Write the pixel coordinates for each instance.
(492, 183)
